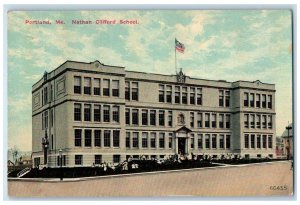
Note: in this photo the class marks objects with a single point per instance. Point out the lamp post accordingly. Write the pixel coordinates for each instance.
(288, 141)
(45, 144)
(60, 164)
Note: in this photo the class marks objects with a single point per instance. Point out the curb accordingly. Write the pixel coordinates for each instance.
(55, 180)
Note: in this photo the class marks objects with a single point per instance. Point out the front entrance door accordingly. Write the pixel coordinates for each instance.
(181, 145)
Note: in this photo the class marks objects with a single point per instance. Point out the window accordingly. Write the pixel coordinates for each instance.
(97, 86)
(264, 121)
(77, 112)
(116, 158)
(127, 139)
(270, 141)
(106, 138)
(161, 140)
(199, 119)
(227, 98)
(97, 113)
(135, 117)
(127, 116)
(127, 90)
(264, 103)
(43, 124)
(144, 117)
(135, 140)
(153, 140)
(199, 96)
(270, 101)
(246, 99)
(246, 140)
(192, 96)
(134, 91)
(51, 92)
(52, 142)
(161, 93)
(97, 138)
(46, 119)
(87, 86)
(252, 123)
(214, 120)
(77, 84)
(207, 119)
(258, 121)
(170, 140)
(221, 141)
(169, 94)
(227, 121)
(192, 119)
(228, 144)
(264, 141)
(192, 141)
(221, 98)
(221, 120)
(116, 138)
(42, 97)
(177, 94)
(184, 95)
(214, 141)
(106, 113)
(87, 112)
(270, 121)
(252, 141)
(258, 141)
(144, 139)
(152, 117)
(251, 99)
(200, 141)
(98, 159)
(51, 118)
(78, 159)
(115, 113)
(257, 98)
(161, 118)
(170, 118)
(37, 161)
(77, 138)
(115, 88)
(207, 141)
(106, 87)
(87, 138)
(46, 95)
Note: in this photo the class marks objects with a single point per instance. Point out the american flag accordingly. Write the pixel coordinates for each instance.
(179, 46)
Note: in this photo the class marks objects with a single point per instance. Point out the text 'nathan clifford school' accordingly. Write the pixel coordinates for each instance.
(92, 113)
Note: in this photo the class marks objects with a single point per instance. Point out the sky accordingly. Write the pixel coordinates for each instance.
(226, 45)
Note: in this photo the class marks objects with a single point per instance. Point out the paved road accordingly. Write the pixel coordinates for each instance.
(253, 180)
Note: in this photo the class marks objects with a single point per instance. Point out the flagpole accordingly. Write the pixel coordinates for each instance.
(175, 57)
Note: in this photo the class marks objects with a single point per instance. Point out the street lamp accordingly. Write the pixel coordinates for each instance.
(60, 163)
(45, 144)
(288, 141)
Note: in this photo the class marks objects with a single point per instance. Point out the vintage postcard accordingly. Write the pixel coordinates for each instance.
(150, 103)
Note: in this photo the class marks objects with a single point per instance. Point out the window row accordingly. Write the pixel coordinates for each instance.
(96, 113)
(46, 120)
(258, 141)
(149, 140)
(149, 117)
(97, 159)
(258, 121)
(210, 141)
(104, 87)
(47, 96)
(257, 100)
(180, 94)
(131, 91)
(96, 138)
(211, 120)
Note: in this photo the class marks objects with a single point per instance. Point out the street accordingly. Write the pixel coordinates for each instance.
(266, 179)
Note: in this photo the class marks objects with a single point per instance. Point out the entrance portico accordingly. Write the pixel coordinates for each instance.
(182, 141)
